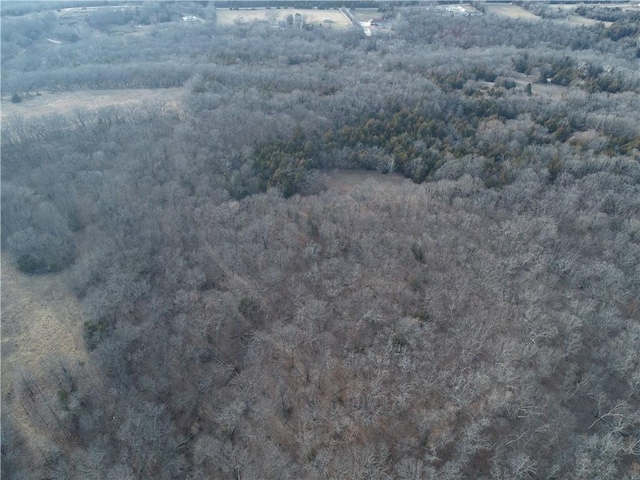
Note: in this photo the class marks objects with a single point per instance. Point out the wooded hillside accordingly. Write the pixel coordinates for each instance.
(407, 255)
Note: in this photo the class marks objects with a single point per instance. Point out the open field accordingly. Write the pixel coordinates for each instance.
(365, 14)
(544, 90)
(515, 11)
(41, 329)
(344, 181)
(74, 11)
(273, 16)
(584, 21)
(580, 20)
(511, 11)
(41, 321)
(623, 6)
(49, 103)
(42, 334)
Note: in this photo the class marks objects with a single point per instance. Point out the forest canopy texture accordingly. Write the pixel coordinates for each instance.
(413, 254)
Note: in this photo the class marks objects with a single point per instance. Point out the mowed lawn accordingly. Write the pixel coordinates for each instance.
(273, 16)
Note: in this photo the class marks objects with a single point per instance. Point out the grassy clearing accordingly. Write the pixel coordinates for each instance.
(63, 103)
(273, 16)
(623, 6)
(549, 90)
(42, 325)
(514, 11)
(41, 321)
(344, 181)
(544, 90)
(585, 22)
(510, 11)
(366, 14)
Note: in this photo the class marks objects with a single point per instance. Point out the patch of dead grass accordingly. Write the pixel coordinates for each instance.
(510, 11)
(41, 320)
(344, 181)
(64, 103)
(41, 327)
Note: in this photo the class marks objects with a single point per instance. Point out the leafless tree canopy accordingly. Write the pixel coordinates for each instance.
(409, 255)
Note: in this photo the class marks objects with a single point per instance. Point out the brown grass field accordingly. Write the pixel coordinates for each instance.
(511, 11)
(64, 103)
(623, 6)
(514, 11)
(41, 329)
(345, 181)
(41, 321)
(365, 14)
(272, 16)
(584, 21)
(541, 89)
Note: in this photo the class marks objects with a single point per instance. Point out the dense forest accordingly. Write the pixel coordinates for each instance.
(413, 254)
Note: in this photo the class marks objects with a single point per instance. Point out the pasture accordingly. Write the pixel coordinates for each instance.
(510, 11)
(48, 103)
